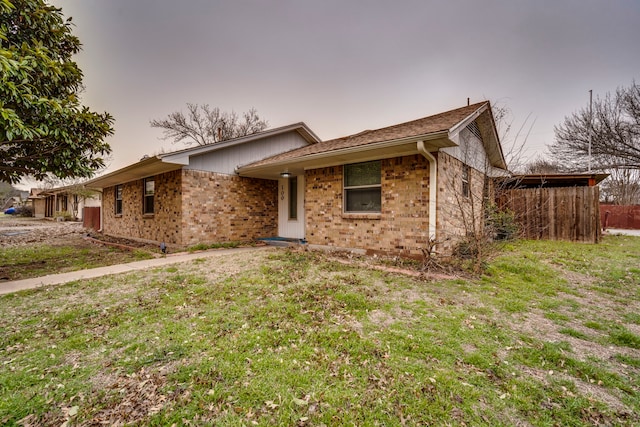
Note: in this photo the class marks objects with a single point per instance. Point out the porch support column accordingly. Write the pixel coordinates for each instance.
(433, 189)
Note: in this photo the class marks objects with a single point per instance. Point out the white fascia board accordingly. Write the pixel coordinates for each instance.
(182, 159)
(456, 129)
(454, 134)
(147, 167)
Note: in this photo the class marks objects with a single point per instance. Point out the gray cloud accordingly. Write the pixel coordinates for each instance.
(345, 66)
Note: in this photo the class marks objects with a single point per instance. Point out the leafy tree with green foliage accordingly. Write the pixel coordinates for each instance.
(43, 127)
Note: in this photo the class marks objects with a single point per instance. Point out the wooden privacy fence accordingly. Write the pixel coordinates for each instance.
(565, 213)
(91, 218)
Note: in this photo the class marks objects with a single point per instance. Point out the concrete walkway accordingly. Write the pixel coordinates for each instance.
(57, 279)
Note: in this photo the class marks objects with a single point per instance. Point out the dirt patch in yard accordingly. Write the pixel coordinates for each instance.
(20, 232)
(32, 247)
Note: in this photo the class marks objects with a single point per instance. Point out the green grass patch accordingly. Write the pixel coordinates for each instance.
(632, 318)
(220, 245)
(39, 260)
(623, 337)
(628, 360)
(574, 333)
(595, 325)
(280, 337)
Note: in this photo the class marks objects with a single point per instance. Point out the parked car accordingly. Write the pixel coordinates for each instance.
(10, 211)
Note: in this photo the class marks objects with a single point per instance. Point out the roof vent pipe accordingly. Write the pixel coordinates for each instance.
(433, 189)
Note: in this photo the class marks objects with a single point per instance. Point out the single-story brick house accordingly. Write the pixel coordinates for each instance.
(388, 190)
(62, 201)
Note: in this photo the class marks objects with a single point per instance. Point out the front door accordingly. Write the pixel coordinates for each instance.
(291, 207)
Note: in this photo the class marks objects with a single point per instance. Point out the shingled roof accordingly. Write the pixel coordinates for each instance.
(425, 126)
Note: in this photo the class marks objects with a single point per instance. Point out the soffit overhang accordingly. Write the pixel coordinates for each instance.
(363, 153)
(168, 162)
(145, 168)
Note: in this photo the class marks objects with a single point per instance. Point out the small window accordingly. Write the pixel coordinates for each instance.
(149, 192)
(362, 188)
(465, 180)
(293, 198)
(118, 204)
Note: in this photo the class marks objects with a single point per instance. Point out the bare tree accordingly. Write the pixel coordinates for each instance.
(542, 166)
(205, 125)
(622, 187)
(612, 127)
(513, 137)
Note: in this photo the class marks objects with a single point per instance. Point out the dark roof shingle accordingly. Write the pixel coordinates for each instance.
(424, 126)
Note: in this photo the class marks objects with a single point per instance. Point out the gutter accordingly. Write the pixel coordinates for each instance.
(433, 189)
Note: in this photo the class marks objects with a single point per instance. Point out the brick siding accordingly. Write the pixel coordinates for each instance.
(402, 226)
(165, 225)
(456, 214)
(195, 207)
(203, 207)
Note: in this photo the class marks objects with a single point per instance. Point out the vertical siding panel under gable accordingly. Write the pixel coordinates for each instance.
(228, 159)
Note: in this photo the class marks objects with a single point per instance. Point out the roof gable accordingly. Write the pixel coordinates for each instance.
(443, 126)
(167, 162)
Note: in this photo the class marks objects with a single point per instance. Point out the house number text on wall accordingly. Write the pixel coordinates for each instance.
(282, 192)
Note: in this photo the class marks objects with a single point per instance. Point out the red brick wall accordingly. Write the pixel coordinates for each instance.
(457, 214)
(223, 208)
(163, 226)
(402, 226)
(195, 207)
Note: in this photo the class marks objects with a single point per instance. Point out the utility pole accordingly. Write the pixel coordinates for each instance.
(590, 124)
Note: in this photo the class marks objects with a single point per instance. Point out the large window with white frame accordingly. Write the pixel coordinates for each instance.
(362, 187)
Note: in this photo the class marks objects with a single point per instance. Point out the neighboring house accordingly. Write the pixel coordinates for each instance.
(38, 202)
(11, 202)
(388, 191)
(62, 201)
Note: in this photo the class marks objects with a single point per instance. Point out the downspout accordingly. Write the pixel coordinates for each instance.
(433, 189)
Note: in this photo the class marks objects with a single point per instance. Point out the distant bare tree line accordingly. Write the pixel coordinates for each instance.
(611, 126)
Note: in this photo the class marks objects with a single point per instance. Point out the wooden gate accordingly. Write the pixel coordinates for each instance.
(566, 213)
(91, 218)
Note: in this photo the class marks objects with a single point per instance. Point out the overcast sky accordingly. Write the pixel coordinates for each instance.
(344, 66)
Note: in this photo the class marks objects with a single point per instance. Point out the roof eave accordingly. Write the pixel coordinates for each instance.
(495, 153)
(182, 156)
(365, 152)
(147, 167)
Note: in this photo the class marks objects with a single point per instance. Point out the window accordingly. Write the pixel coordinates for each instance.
(118, 204)
(362, 188)
(293, 198)
(465, 180)
(149, 191)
